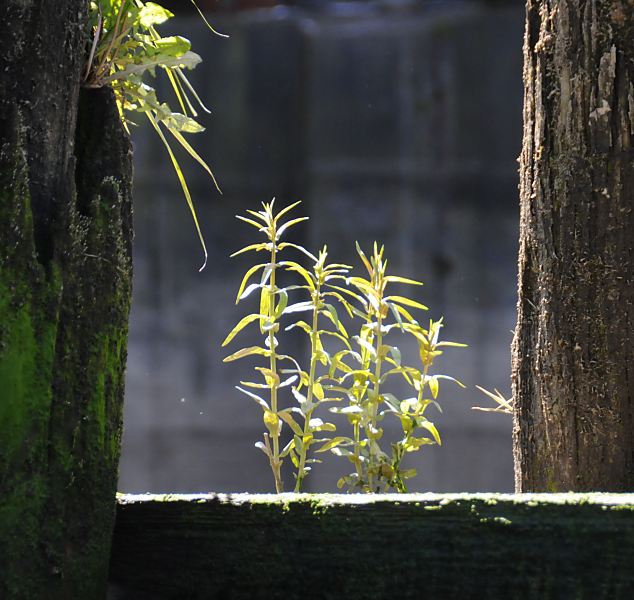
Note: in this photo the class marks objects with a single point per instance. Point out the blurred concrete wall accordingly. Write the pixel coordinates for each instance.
(396, 125)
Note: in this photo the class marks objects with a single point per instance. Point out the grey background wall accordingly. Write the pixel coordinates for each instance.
(401, 125)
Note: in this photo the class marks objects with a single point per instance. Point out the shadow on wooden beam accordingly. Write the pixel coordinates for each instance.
(349, 547)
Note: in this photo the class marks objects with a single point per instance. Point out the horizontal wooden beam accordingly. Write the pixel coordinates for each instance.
(348, 547)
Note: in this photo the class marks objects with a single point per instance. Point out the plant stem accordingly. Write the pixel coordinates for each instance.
(275, 459)
(309, 393)
(400, 484)
(375, 401)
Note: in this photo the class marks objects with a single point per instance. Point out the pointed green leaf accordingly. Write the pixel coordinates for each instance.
(281, 305)
(333, 443)
(298, 307)
(262, 447)
(256, 247)
(258, 226)
(286, 209)
(286, 416)
(255, 397)
(407, 302)
(297, 247)
(288, 224)
(241, 325)
(247, 352)
(246, 278)
(432, 429)
(395, 279)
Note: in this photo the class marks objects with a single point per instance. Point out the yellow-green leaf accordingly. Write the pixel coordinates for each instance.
(432, 429)
(272, 423)
(318, 391)
(366, 262)
(396, 279)
(256, 247)
(293, 266)
(297, 247)
(255, 397)
(333, 443)
(246, 278)
(288, 224)
(181, 180)
(153, 14)
(286, 209)
(252, 350)
(407, 302)
(259, 226)
(297, 430)
(241, 325)
(185, 144)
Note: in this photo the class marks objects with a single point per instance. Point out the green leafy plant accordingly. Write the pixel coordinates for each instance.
(374, 365)
(125, 47)
(317, 386)
(359, 376)
(273, 303)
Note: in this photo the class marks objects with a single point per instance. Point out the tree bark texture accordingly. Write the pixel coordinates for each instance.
(396, 547)
(573, 352)
(65, 283)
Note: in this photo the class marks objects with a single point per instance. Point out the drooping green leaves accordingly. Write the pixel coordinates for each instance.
(125, 48)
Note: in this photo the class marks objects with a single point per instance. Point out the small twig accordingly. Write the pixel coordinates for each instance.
(95, 41)
(503, 405)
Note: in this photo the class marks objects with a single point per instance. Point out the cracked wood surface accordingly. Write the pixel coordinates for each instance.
(573, 352)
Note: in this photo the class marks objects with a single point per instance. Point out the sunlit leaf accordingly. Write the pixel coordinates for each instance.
(188, 59)
(293, 266)
(258, 226)
(183, 183)
(286, 416)
(272, 422)
(283, 245)
(253, 350)
(287, 448)
(153, 14)
(246, 278)
(298, 307)
(240, 326)
(207, 22)
(333, 443)
(407, 302)
(366, 262)
(396, 279)
(317, 424)
(255, 397)
(286, 209)
(432, 429)
(185, 144)
(407, 474)
(288, 224)
(281, 306)
(256, 247)
(262, 447)
(318, 391)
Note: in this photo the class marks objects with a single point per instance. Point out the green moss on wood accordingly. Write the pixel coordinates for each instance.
(347, 546)
(63, 333)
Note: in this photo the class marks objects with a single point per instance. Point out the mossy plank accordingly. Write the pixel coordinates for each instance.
(65, 279)
(374, 547)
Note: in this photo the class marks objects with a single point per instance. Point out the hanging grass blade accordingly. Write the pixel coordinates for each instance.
(183, 183)
(185, 144)
(224, 35)
(190, 87)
